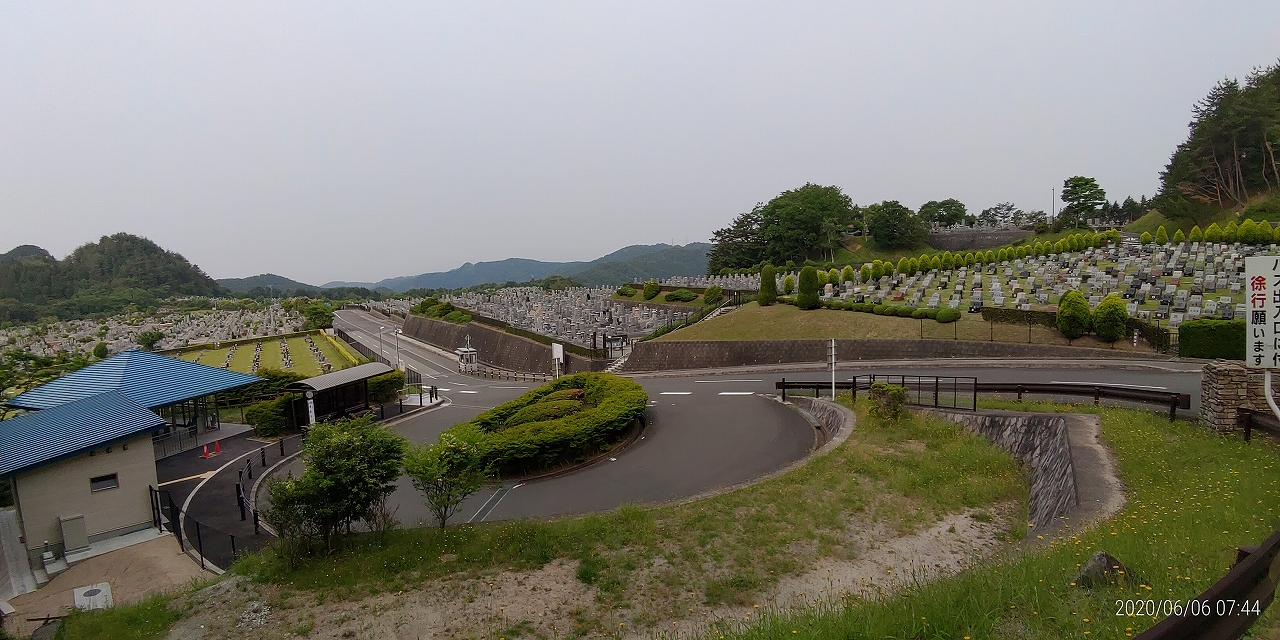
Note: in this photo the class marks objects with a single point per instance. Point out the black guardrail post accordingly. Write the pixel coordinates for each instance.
(199, 544)
(784, 389)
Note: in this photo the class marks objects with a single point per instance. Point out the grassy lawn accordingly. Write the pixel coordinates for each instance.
(786, 322)
(1193, 497)
(150, 618)
(303, 361)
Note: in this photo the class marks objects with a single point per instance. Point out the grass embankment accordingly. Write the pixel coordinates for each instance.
(786, 322)
(1193, 497)
(724, 549)
(148, 619)
(303, 361)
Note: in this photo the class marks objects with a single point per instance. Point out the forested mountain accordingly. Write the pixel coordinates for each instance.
(1229, 156)
(25, 251)
(102, 277)
(624, 265)
(268, 281)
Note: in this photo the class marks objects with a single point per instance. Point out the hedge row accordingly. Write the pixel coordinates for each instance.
(270, 417)
(903, 311)
(1212, 339)
(609, 408)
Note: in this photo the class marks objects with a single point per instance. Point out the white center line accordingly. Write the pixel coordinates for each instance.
(675, 393)
(1132, 386)
(737, 393)
(719, 381)
(508, 387)
(465, 391)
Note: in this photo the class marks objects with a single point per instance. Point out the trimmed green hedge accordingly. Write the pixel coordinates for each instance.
(680, 295)
(609, 407)
(270, 417)
(1212, 339)
(948, 315)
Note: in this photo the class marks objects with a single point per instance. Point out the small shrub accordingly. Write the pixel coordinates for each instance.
(931, 314)
(808, 296)
(1110, 319)
(626, 291)
(1231, 232)
(948, 315)
(270, 417)
(563, 394)
(880, 309)
(543, 410)
(920, 313)
(906, 312)
(788, 285)
(651, 290)
(888, 401)
(680, 295)
(1213, 233)
(1212, 339)
(1197, 235)
(768, 286)
(713, 295)
(1074, 316)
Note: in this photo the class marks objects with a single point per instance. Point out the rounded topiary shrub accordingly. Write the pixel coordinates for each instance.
(651, 290)
(906, 312)
(808, 298)
(920, 313)
(557, 431)
(1074, 316)
(1110, 319)
(880, 309)
(769, 286)
(948, 315)
(789, 284)
(626, 291)
(931, 314)
(680, 295)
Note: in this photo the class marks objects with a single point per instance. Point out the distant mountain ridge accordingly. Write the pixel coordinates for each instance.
(25, 251)
(266, 281)
(634, 262)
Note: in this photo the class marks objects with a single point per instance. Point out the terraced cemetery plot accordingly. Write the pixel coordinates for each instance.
(303, 361)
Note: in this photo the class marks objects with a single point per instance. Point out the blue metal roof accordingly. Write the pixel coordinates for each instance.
(41, 437)
(148, 379)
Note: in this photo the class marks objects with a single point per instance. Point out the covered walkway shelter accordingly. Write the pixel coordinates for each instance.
(334, 395)
(82, 460)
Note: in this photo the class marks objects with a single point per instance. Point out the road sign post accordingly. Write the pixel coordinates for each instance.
(831, 361)
(1262, 323)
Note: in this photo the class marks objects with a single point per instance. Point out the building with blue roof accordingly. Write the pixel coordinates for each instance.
(82, 459)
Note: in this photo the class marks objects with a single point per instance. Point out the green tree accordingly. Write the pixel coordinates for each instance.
(737, 246)
(846, 275)
(1196, 234)
(1110, 319)
(319, 316)
(936, 263)
(808, 297)
(713, 295)
(894, 226)
(1231, 232)
(651, 290)
(1162, 236)
(865, 273)
(991, 256)
(148, 339)
(968, 259)
(803, 220)
(100, 350)
(877, 270)
(1073, 317)
(833, 276)
(822, 278)
(788, 284)
(1213, 233)
(386, 387)
(768, 285)
(446, 473)
(904, 264)
(1083, 197)
(943, 212)
(1178, 238)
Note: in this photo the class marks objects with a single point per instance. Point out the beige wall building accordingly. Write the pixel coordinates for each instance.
(107, 488)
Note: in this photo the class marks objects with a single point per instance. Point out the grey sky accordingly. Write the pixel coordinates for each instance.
(359, 141)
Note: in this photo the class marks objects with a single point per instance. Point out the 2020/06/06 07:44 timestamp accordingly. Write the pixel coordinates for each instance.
(1166, 608)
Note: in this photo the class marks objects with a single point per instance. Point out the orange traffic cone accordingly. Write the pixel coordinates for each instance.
(217, 447)
(206, 452)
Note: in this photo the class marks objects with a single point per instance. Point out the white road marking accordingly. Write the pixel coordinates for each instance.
(465, 391)
(719, 381)
(1090, 384)
(443, 389)
(675, 393)
(736, 393)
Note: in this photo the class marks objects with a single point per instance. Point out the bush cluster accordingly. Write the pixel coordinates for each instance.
(554, 434)
(433, 308)
(713, 295)
(626, 291)
(680, 295)
(271, 417)
(888, 401)
(651, 290)
(1212, 339)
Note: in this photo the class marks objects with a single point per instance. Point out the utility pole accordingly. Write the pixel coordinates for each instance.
(831, 357)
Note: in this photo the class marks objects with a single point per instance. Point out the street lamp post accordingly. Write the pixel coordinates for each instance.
(398, 332)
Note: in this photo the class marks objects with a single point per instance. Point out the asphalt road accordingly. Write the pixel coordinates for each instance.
(705, 431)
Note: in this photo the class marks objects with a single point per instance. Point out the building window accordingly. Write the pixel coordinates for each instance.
(102, 483)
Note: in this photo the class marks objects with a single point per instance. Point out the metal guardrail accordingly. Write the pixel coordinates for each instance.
(954, 386)
(1249, 421)
(1227, 609)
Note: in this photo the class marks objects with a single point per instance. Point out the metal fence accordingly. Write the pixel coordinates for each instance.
(360, 348)
(176, 441)
(1249, 421)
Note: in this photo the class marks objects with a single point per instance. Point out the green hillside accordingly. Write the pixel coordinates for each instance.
(101, 277)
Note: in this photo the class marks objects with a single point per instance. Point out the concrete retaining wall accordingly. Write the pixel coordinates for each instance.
(829, 417)
(496, 348)
(1040, 441)
(709, 354)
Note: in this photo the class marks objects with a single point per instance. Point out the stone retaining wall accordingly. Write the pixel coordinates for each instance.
(669, 355)
(494, 347)
(1040, 441)
(1228, 386)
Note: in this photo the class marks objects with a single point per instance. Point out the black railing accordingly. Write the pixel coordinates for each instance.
(944, 391)
(360, 348)
(1249, 421)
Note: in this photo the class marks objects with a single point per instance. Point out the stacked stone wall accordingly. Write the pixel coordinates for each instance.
(496, 348)
(1227, 386)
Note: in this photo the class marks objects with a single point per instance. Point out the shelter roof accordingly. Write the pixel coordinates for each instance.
(148, 379)
(339, 378)
(38, 438)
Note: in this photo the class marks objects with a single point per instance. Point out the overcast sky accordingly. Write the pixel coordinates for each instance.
(358, 141)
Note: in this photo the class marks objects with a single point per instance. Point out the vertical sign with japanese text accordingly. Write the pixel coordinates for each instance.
(1262, 304)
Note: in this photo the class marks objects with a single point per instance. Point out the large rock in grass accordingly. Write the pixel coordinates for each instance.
(1103, 569)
